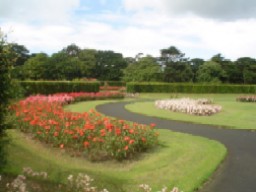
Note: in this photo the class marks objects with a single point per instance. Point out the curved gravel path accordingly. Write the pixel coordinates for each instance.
(236, 174)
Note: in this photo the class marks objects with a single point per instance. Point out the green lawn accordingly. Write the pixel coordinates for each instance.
(237, 115)
(181, 160)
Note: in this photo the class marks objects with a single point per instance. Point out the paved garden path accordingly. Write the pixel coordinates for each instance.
(236, 174)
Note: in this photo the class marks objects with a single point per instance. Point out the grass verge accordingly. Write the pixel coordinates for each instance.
(236, 115)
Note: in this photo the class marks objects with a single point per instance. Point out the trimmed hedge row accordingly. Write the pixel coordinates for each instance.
(113, 83)
(51, 87)
(188, 88)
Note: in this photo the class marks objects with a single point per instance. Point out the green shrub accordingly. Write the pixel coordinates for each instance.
(188, 88)
(51, 87)
(113, 83)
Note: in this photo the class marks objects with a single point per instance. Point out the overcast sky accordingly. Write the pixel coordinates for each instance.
(198, 28)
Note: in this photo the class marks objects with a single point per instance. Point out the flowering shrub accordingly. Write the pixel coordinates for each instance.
(80, 183)
(190, 106)
(247, 98)
(89, 134)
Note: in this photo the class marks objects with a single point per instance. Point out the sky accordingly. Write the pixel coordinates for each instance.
(198, 28)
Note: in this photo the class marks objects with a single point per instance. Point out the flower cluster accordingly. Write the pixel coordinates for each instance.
(200, 107)
(89, 134)
(247, 98)
(64, 98)
(79, 183)
(147, 188)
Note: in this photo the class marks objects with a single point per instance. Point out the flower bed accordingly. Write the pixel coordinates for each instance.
(75, 183)
(90, 134)
(247, 98)
(200, 107)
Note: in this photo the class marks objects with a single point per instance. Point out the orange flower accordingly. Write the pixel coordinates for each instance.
(56, 134)
(102, 132)
(131, 131)
(61, 146)
(86, 144)
(126, 147)
(126, 138)
(131, 142)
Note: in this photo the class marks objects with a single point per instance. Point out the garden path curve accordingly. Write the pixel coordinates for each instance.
(236, 174)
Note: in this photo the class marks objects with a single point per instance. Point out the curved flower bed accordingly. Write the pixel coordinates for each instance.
(247, 98)
(200, 107)
(90, 134)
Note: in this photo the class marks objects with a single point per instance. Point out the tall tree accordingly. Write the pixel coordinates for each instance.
(210, 71)
(61, 66)
(109, 66)
(71, 50)
(171, 54)
(177, 68)
(22, 53)
(195, 64)
(88, 59)
(34, 67)
(145, 69)
(247, 67)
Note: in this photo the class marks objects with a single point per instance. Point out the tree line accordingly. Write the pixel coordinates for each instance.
(72, 62)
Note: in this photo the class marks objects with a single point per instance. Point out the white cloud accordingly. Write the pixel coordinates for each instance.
(37, 10)
(146, 26)
(218, 9)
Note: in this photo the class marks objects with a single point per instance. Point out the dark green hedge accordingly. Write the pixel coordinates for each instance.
(51, 87)
(188, 88)
(113, 83)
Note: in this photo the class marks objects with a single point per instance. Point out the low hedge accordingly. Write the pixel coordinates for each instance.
(134, 87)
(51, 87)
(113, 83)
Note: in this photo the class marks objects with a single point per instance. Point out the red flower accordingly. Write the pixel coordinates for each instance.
(126, 147)
(61, 146)
(126, 138)
(152, 125)
(56, 134)
(131, 131)
(131, 142)
(118, 131)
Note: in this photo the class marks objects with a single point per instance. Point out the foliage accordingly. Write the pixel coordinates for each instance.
(154, 87)
(146, 69)
(178, 72)
(210, 71)
(22, 53)
(7, 59)
(109, 66)
(91, 134)
(34, 67)
(50, 87)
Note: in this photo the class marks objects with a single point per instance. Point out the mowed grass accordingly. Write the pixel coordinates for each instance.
(236, 115)
(180, 160)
